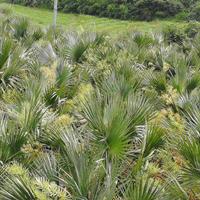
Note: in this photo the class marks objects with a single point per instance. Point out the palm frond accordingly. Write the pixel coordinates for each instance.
(76, 164)
(107, 117)
(190, 150)
(20, 28)
(174, 189)
(46, 166)
(5, 51)
(122, 81)
(11, 141)
(153, 138)
(139, 110)
(28, 115)
(16, 188)
(144, 189)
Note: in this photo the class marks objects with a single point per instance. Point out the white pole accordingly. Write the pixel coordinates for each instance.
(55, 13)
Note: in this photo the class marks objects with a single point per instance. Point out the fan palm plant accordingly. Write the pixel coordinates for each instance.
(16, 188)
(20, 28)
(12, 65)
(143, 190)
(75, 44)
(11, 141)
(6, 49)
(87, 117)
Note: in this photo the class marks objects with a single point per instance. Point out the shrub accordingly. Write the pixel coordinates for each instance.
(122, 9)
(150, 9)
(69, 7)
(195, 13)
(33, 3)
(192, 29)
(173, 35)
(94, 9)
(5, 10)
(188, 3)
(182, 16)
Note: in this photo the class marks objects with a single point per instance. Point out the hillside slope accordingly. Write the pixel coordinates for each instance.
(44, 17)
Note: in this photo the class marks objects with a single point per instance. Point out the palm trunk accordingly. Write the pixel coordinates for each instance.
(55, 13)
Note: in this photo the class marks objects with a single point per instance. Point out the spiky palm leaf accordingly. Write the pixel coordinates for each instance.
(20, 28)
(123, 81)
(153, 138)
(144, 189)
(174, 189)
(11, 141)
(107, 118)
(16, 188)
(76, 164)
(190, 150)
(46, 166)
(5, 51)
(139, 110)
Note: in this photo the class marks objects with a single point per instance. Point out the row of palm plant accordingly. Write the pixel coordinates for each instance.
(87, 117)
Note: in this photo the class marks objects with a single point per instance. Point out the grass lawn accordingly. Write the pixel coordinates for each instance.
(44, 17)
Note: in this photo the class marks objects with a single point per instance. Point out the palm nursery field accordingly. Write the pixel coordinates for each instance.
(88, 116)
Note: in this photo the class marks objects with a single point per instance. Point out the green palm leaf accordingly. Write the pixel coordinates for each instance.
(153, 138)
(190, 150)
(46, 166)
(20, 28)
(11, 141)
(5, 50)
(107, 118)
(144, 189)
(16, 188)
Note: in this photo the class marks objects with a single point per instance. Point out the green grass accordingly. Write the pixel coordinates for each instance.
(44, 17)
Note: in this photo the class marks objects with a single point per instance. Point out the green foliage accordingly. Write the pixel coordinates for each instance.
(16, 188)
(190, 150)
(131, 9)
(153, 139)
(6, 47)
(194, 14)
(20, 28)
(143, 190)
(148, 9)
(192, 29)
(86, 116)
(173, 35)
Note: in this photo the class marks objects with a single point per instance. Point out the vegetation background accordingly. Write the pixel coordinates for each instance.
(43, 16)
(125, 9)
(88, 116)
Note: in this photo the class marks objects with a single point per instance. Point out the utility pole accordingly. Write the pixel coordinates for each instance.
(55, 13)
